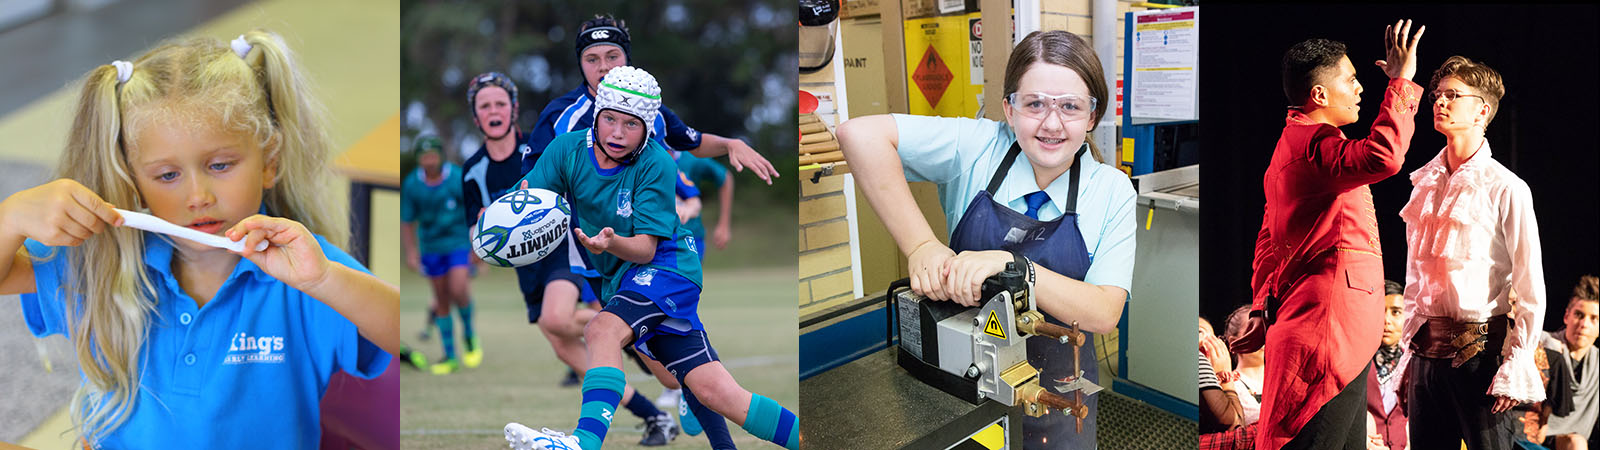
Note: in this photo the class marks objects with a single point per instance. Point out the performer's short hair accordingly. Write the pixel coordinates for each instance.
(1391, 287)
(1587, 289)
(1475, 74)
(1305, 64)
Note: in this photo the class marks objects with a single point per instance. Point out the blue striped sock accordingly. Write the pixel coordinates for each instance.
(769, 420)
(602, 390)
(447, 335)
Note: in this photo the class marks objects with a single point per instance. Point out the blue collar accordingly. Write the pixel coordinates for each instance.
(158, 254)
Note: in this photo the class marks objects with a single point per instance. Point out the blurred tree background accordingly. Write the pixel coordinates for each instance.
(727, 68)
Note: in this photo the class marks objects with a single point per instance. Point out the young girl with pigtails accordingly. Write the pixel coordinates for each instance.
(181, 344)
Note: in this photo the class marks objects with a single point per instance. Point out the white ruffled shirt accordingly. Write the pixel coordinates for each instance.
(1471, 240)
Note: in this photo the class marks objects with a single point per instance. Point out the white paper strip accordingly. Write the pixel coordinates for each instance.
(156, 225)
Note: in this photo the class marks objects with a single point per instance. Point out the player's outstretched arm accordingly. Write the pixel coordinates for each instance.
(740, 155)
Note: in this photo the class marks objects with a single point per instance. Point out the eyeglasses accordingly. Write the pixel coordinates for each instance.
(1451, 96)
(1037, 105)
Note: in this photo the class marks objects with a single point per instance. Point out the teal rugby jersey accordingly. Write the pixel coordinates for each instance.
(632, 199)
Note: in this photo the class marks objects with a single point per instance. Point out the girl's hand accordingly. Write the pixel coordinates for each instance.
(597, 244)
(58, 213)
(926, 264)
(294, 257)
(1215, 350)
(966, 272)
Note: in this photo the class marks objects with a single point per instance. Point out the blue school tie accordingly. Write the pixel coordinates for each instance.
(1035, 201)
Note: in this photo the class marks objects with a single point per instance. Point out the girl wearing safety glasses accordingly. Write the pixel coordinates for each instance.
(1058, 211)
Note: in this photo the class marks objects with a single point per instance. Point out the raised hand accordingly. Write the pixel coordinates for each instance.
(1400, 49)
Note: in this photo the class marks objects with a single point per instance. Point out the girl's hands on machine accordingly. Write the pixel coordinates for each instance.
(926, 264)
(966, 271)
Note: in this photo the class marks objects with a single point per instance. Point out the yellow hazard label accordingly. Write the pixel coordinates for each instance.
(992, 438)
(993, 328)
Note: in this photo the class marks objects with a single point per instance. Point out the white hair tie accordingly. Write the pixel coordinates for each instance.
(240, 46)
(124, 70)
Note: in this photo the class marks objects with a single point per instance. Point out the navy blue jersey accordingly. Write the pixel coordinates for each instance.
(575, 111)
(485, 180)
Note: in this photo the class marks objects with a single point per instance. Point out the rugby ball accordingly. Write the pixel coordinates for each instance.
(521, 228)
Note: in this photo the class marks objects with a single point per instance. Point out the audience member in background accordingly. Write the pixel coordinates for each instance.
(1249, 366)
(1219, 403)
(1384, 407)
(1572, 345)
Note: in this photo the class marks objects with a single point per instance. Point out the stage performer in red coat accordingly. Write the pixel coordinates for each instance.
(1318, 280)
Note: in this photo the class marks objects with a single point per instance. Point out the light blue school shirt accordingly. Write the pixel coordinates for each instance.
(248, 370)
(960, 155)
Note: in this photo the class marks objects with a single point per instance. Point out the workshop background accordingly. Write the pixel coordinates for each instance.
(870, 61)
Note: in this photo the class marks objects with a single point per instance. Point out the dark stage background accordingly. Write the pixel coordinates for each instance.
(1545, 131)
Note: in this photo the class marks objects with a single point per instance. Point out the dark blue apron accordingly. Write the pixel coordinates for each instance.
(1058, 246)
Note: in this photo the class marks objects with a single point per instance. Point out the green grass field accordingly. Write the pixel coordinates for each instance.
(749, 312)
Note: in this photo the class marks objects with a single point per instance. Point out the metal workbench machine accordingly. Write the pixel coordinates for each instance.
(950, 376)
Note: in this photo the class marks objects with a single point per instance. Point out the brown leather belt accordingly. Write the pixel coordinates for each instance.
(1443, 337)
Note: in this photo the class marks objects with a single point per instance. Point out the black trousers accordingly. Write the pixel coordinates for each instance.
(1341, 423)
(1447, 405)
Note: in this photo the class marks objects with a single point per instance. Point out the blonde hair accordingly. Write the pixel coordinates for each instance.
(110, 296)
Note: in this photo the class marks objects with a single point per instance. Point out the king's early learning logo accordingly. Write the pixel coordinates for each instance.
(246, 349)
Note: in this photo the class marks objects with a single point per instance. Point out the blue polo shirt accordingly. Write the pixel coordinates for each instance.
(246, 370)
(960, 155)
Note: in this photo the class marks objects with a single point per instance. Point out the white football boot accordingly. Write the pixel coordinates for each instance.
(523, 438)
